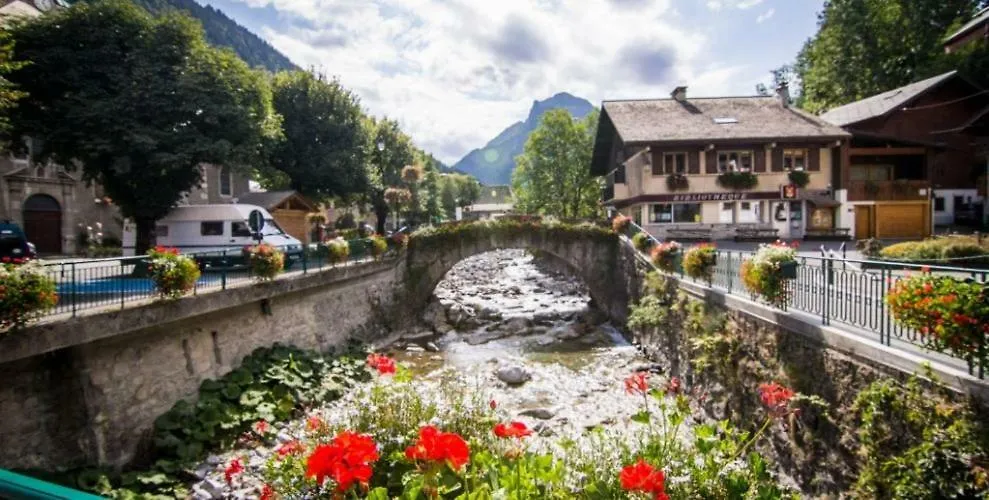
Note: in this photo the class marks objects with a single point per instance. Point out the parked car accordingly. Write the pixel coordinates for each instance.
(217, 229)
(13, 244)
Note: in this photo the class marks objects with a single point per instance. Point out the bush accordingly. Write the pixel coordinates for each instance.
(642, 241)
(265, 261)
(26, 292)
(699, 262)
(173, 274)
(940, 250)
(337, 250)
(664, 256)
(620, 224)
(951, 316)
(764, 274)
(378, 246)
(871, 247)
(799, 178)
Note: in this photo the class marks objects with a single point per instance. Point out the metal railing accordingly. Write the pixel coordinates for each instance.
(845, 292)
(100, 283)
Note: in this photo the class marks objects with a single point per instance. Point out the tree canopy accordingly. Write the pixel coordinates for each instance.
(553, 174)
(865, 47)
(324, 147)
(391, 151)
(9, 94)
(137, 102)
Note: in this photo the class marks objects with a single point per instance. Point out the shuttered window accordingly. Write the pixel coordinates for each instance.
(734, 161)
(674, 163)
(794, 159)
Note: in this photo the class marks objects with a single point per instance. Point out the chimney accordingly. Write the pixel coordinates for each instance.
(679, 94)
(783, 91)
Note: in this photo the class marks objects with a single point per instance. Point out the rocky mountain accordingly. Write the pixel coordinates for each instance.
(222, 31)
(494, 163)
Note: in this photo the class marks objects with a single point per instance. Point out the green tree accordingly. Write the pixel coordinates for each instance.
(8, 91)
(431, 186)
(448, 196)
(553, 173)
(468, 190)
(864, 47)
(391, 150)
(138, 103)
(323, 150)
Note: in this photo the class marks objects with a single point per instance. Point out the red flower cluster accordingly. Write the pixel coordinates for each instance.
(512, 430)
(382, 363)
(16, 260)
(290, 448)
(347, 460)
(233, 469)
(166, 250)
(267, 493)
(775, 397)
(261, 427)
(636, 383)
(436, 446)
(315, 423)
(674, 386)
(644, 478)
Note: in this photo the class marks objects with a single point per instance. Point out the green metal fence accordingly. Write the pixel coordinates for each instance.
(17, 487)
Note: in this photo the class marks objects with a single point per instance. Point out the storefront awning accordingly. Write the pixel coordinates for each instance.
(821, 200)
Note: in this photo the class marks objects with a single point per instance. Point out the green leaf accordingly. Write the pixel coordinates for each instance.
(378, 494)
(253, 396)
(642, 417)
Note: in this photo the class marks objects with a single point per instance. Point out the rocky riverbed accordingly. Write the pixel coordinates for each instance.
(519, 334)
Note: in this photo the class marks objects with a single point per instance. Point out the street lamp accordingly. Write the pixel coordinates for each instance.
(381, 145)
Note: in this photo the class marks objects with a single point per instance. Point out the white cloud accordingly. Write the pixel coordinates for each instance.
(715, 5)
(745, 4)
(765, 16)
(454, 73)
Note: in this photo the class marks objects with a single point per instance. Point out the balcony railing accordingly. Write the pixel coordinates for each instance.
(898, 190)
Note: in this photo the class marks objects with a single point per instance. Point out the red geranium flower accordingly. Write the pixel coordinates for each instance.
(644, 478)
(382, 363)
(775, 397)
(232, 470)
(290, 448)
(512, 430)
(493, 404)
(636, 383)
(347, 460)
(436, 446)
(267, 493)
(674, 386)
(261, 427)
(314, 423)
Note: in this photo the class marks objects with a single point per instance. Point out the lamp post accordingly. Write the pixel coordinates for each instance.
(381, 166)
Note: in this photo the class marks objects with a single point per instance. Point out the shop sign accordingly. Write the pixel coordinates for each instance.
(788, 192)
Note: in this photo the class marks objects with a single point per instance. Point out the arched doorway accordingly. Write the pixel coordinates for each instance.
(43, 223)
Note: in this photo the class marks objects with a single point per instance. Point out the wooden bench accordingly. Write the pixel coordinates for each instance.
(756, 234)
(836, 233)
(689, 234)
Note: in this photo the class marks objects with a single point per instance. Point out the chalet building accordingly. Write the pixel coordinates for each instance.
(494, 202)
(719, 167)
(973, 31)
(910, 164)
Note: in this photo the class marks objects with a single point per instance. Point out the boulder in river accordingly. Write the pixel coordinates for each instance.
(513, 375)
(540, 413)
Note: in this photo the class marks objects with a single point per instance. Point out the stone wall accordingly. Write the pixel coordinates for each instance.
(86, 391)
(723, 347)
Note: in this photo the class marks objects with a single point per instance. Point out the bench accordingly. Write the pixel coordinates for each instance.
(756, 234)
(836, 233)
(689, 234)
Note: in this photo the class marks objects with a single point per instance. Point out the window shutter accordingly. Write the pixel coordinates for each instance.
(814, 159)
(777, 165)
(711, 166)
(759, 159)
(694, 162)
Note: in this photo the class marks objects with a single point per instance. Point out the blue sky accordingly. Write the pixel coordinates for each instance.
(454, 73)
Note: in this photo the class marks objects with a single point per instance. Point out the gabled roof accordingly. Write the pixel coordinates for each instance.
(982, 17)
(713, 119)
(881, 104)
(270, 200)
(495, 195)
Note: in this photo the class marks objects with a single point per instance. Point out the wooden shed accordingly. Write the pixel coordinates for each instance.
(289, 208)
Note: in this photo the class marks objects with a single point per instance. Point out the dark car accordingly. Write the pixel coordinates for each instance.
(13, 244)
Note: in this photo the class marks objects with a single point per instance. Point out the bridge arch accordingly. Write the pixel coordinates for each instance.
(593, 253)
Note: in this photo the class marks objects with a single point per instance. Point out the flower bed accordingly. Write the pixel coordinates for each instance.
(26, 292)
(737, 181)
(767, 272)
(699, 262)
(951, 316)
(956, 251)
(378, 246)
(620, 224)
(337, 250)
(451, 233)
(664, 256)
(173, 275)
(265, 261)
(642, 242)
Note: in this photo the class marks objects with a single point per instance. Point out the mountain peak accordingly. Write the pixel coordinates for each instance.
(494, 163)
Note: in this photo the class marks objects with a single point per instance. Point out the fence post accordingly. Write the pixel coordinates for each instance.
(121, 280)
(731, 275)
(75, 291)
(883, 330)
(305, 259)
(225, 263)
(826, 281)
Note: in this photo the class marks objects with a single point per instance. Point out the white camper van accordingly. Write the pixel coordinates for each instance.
(216, 228)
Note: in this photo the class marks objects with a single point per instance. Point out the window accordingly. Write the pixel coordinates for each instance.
(226, 181)
(240, 229)
(746, 205)
(211, 228)
(161, 231)
(671, 163)
(794, 159)
(939, 204)
(667, 213)
(735, 161)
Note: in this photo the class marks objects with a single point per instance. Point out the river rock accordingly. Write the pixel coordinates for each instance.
(513, 375)
(565, 332)
(516, 325)
(214, 487)
(199, 493)
(540, 413)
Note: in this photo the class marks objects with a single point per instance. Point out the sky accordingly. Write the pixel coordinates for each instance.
(455, 73)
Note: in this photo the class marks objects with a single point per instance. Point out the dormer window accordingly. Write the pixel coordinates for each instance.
(735, 161)
(794, 159)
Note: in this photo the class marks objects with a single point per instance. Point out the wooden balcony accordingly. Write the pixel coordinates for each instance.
(899, 190)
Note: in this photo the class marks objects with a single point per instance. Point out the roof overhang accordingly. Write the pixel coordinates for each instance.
(704, 142)
(603, 144)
